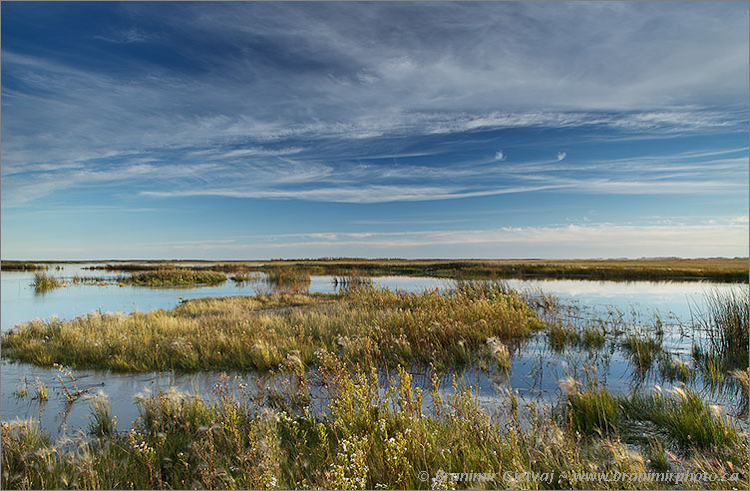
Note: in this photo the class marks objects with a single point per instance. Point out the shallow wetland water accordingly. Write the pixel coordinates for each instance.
(536, 364)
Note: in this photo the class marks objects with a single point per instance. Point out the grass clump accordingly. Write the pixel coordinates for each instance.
(724, 324)
(593, 409)
(684, 417)
(499, 352)
(244, 277)
(657, 456)
(102, 423)
(44, 282)
(369, 326)
(173, 278)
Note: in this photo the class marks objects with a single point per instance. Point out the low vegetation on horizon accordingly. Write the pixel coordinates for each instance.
(715, 269)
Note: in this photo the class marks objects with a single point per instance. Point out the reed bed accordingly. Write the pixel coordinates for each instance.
(370, 327)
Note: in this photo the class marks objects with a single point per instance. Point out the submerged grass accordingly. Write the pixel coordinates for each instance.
(593, 410)
(370, 439)
(368, 326)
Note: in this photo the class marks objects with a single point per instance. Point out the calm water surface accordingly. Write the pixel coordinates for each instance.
(534, 375)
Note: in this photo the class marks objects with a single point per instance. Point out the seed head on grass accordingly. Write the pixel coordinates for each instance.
(500, 352)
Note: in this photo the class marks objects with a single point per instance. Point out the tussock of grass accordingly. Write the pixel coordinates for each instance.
(366, 326)
(173, 278)
(684, 417)
(657, 456)
(102, 423)
(244, 277)
(593, 409)
(40, 390)
(44, 282)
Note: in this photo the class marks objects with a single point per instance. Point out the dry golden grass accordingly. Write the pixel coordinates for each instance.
(366, 326)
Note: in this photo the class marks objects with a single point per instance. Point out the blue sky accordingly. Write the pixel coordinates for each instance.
(284, 130)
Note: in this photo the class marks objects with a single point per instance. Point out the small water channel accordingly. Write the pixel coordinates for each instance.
(535, 366)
